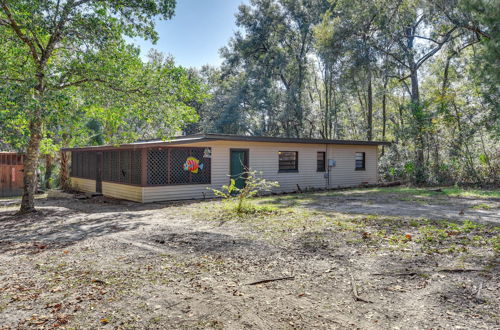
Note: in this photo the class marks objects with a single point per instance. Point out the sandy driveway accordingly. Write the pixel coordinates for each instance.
(434, 207)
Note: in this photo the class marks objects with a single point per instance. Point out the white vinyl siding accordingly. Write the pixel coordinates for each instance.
(122, 191)
(344, 174)
(84, 185)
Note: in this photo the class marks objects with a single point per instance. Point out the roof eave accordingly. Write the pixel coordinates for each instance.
(221, 137)
(135, 145)
(291, 140)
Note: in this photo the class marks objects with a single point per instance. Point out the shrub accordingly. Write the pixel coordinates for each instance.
(254, 184)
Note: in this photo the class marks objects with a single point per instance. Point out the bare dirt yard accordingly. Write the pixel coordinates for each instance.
(392, 258)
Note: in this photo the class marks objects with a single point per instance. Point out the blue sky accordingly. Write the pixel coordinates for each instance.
(196, 32)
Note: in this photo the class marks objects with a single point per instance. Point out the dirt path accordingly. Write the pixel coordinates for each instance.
(449, 208)
(435, 206)
(97, 263)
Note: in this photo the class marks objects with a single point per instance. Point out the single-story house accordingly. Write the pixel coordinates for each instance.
(11, 174)
(187, 167)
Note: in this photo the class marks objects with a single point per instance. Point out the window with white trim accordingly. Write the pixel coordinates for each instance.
(360, 161)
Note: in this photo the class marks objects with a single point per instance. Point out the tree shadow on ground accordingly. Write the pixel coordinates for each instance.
(56, 225)
(60, 223)
(101, 204)
(203, 242)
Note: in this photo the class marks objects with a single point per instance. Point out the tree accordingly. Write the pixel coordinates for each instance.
(351, 36)
(160, 108)
(371, 70)
(273, 52)
(60, 45)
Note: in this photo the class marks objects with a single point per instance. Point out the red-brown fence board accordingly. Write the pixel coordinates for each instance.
(11, 174)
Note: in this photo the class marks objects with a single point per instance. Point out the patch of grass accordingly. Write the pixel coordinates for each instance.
(288, 200)
(398, 240)
(282, 219)
(495, 241)
(447, 237)
(248, 208)
(428, 192)
(415, 223)
(482, 206)
(460, 192)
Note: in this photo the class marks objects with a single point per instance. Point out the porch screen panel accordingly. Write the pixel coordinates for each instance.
(121, 166)
(78, 164)
(115, 166)
(106, 166)
(203, 175)
(88, 165)
(136, 170)
(157, 167)
(178, 174)
(91, 171)
(84, 170)
(73, 164)
(83, 164)
(79, 158)
(125, 167)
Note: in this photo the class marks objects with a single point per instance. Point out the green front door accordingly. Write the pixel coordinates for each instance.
(238, 166)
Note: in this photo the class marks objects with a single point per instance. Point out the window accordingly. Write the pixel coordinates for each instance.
(288, 161)
(321, 161)
(360, 161)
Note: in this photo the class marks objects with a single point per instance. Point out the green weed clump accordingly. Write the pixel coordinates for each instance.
(482, 206)
(254, 184)
(249, 208)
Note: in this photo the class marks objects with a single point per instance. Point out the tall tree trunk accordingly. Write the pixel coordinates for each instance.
(436, 167)
(64, 171)
(332, 125)
(463, 143)
(384, 112)
(416, 110)
(327, 104)
(362, 105)
(31, 166)
(33, 152)
(299, 109)
(49, 166)
(369, 115)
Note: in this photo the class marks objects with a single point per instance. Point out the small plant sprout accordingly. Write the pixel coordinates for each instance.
(254, 184)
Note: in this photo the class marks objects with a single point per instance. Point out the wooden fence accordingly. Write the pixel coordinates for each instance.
(11, 174)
